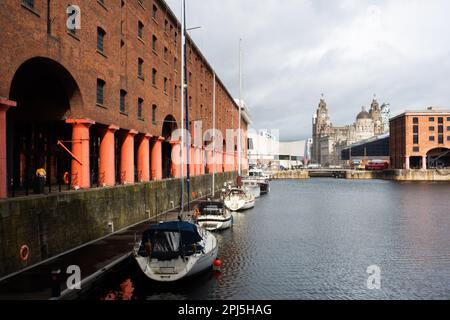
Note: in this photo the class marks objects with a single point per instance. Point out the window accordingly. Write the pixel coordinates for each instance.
(154, 12)
(201, 87)
(139, 70)
(175, 62)
(448, 118)
(448, 128)
(154, 40)
(440, 120)
(29, 3)
(100, 39)
(140, 30)
(139, 108)
(431, 119)
(165, 53)
(188, 80)
(431, 128)
(448, 138)
(415, 120)
(416, 139)
(154, 76)
(440, 129)
(100, 91)
(416, 149)
(175, 89)
(441, 138)
(166, 24)
(123, 95)
(154, 114)
(431, 138)
(165, 85)
(175, 37)
(416, 129)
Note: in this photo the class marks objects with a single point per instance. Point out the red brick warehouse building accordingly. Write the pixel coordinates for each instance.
(97, 105)
(420, 139)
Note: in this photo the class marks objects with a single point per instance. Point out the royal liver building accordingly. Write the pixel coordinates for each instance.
(328, 140)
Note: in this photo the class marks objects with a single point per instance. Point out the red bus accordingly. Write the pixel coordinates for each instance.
(377, 165)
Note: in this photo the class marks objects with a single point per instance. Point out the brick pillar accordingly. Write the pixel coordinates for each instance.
(157, 159)
(107, 174)
(210, 160)
(143, 160)
(176, 159)
(127, 158)
(202, 161)
(4, 106)
(424, 162)
(219, 162)
(80, 149)
(407, 163)
(192, 160)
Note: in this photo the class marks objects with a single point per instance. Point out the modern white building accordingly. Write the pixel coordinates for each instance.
(266, 151)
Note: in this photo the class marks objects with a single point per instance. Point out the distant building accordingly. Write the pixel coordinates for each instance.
(327, 138)
(420, 139)
(264, 150)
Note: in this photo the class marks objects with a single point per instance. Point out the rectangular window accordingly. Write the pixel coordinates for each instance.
(175, 62)
(139, 108)
(166, 25)
(440, 120)
(416, 129)
(448, 128)
(175, 89)
(100, 39)
(165, 85)
(140, 29)
(431, 138)
(441, 138)
(416, 149)
(415, 120)
(448, 118)
(431, 128)
(123, 95)
(154, 12)
(140, 64)
(440, 129)
(154, 114)
(448, 138)
(165, 53)
(154, 40)
(416, 139)
(154, 76)
(175, 37)
(29, 3)
(431, 119)
(100, 91)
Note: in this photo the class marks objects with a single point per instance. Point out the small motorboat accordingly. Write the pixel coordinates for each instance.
(252, 185)
(262, 179)
(213, 215)
(170, 251)
(238, 199)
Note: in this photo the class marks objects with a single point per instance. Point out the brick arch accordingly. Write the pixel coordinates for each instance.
(42, 73)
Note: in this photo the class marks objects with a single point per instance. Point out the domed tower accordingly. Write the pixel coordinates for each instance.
(321, 127)
(375, 114)
(363, 127)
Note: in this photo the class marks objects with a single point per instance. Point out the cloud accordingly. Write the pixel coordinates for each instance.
(348, 49)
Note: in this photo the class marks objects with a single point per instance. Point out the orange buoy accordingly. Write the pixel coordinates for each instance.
(24, 252)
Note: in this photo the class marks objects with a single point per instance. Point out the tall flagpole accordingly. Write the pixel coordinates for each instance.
(186, 98)
(240, 107)
(214, 135)
(182, 110)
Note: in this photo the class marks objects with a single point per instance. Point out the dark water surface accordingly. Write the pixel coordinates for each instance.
(314, 239)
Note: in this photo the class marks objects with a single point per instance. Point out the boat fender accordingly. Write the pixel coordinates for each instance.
(216, 264)
(24, 252)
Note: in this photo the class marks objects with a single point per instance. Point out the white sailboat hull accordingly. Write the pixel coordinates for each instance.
(179, 268)
(214, 222)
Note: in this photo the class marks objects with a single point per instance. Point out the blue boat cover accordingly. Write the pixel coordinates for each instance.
(188, 231)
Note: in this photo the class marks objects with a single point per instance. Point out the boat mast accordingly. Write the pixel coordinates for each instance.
(240, 107)
(182, 114)
(186, 98)
(214, 134)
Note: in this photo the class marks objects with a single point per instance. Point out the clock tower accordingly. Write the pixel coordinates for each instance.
(321, 127)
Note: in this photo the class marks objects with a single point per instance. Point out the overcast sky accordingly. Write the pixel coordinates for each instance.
(293, 50)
